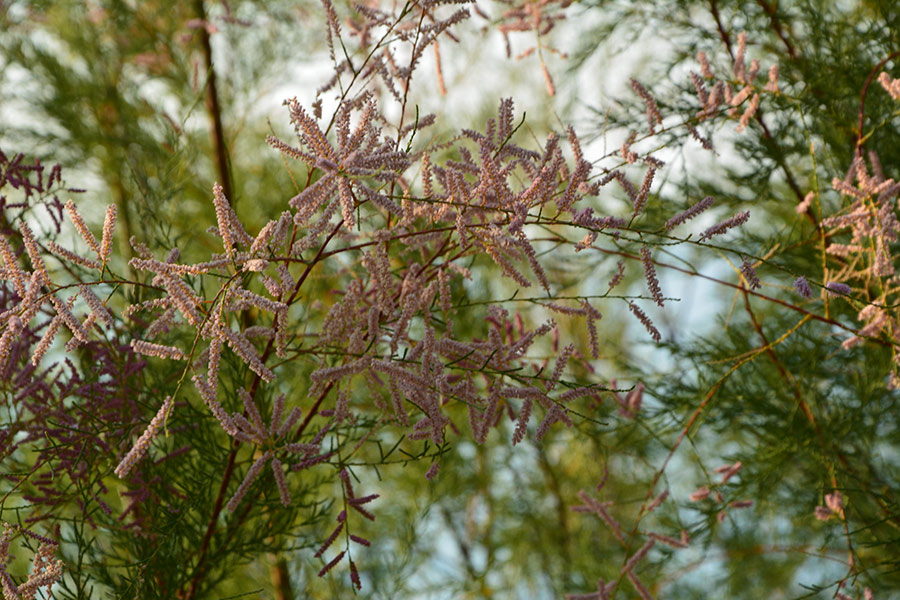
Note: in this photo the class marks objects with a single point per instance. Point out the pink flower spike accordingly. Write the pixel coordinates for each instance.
(143, 443)
(332, 564)
(803, 207)
(728, 471)
(834, 502)
(330, 539)
(720, 228)
(252, 474)
(650, 275)
(82, 228)
(354, 575)
(280, 481)
(363, 500)
(109, 223)
(699, 494)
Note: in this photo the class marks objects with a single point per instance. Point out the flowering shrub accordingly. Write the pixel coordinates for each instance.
(166, 408)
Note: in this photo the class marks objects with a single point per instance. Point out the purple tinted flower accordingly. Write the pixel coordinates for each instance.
(802, 287)
(835, 288)
(720, 228)
(750, 276)
(332, 564)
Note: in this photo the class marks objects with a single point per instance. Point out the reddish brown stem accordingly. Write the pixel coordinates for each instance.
(789, 176)
(772, 11)
(211, 526)
(215, 109)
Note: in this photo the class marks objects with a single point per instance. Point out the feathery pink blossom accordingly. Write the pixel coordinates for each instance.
(143, 443)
